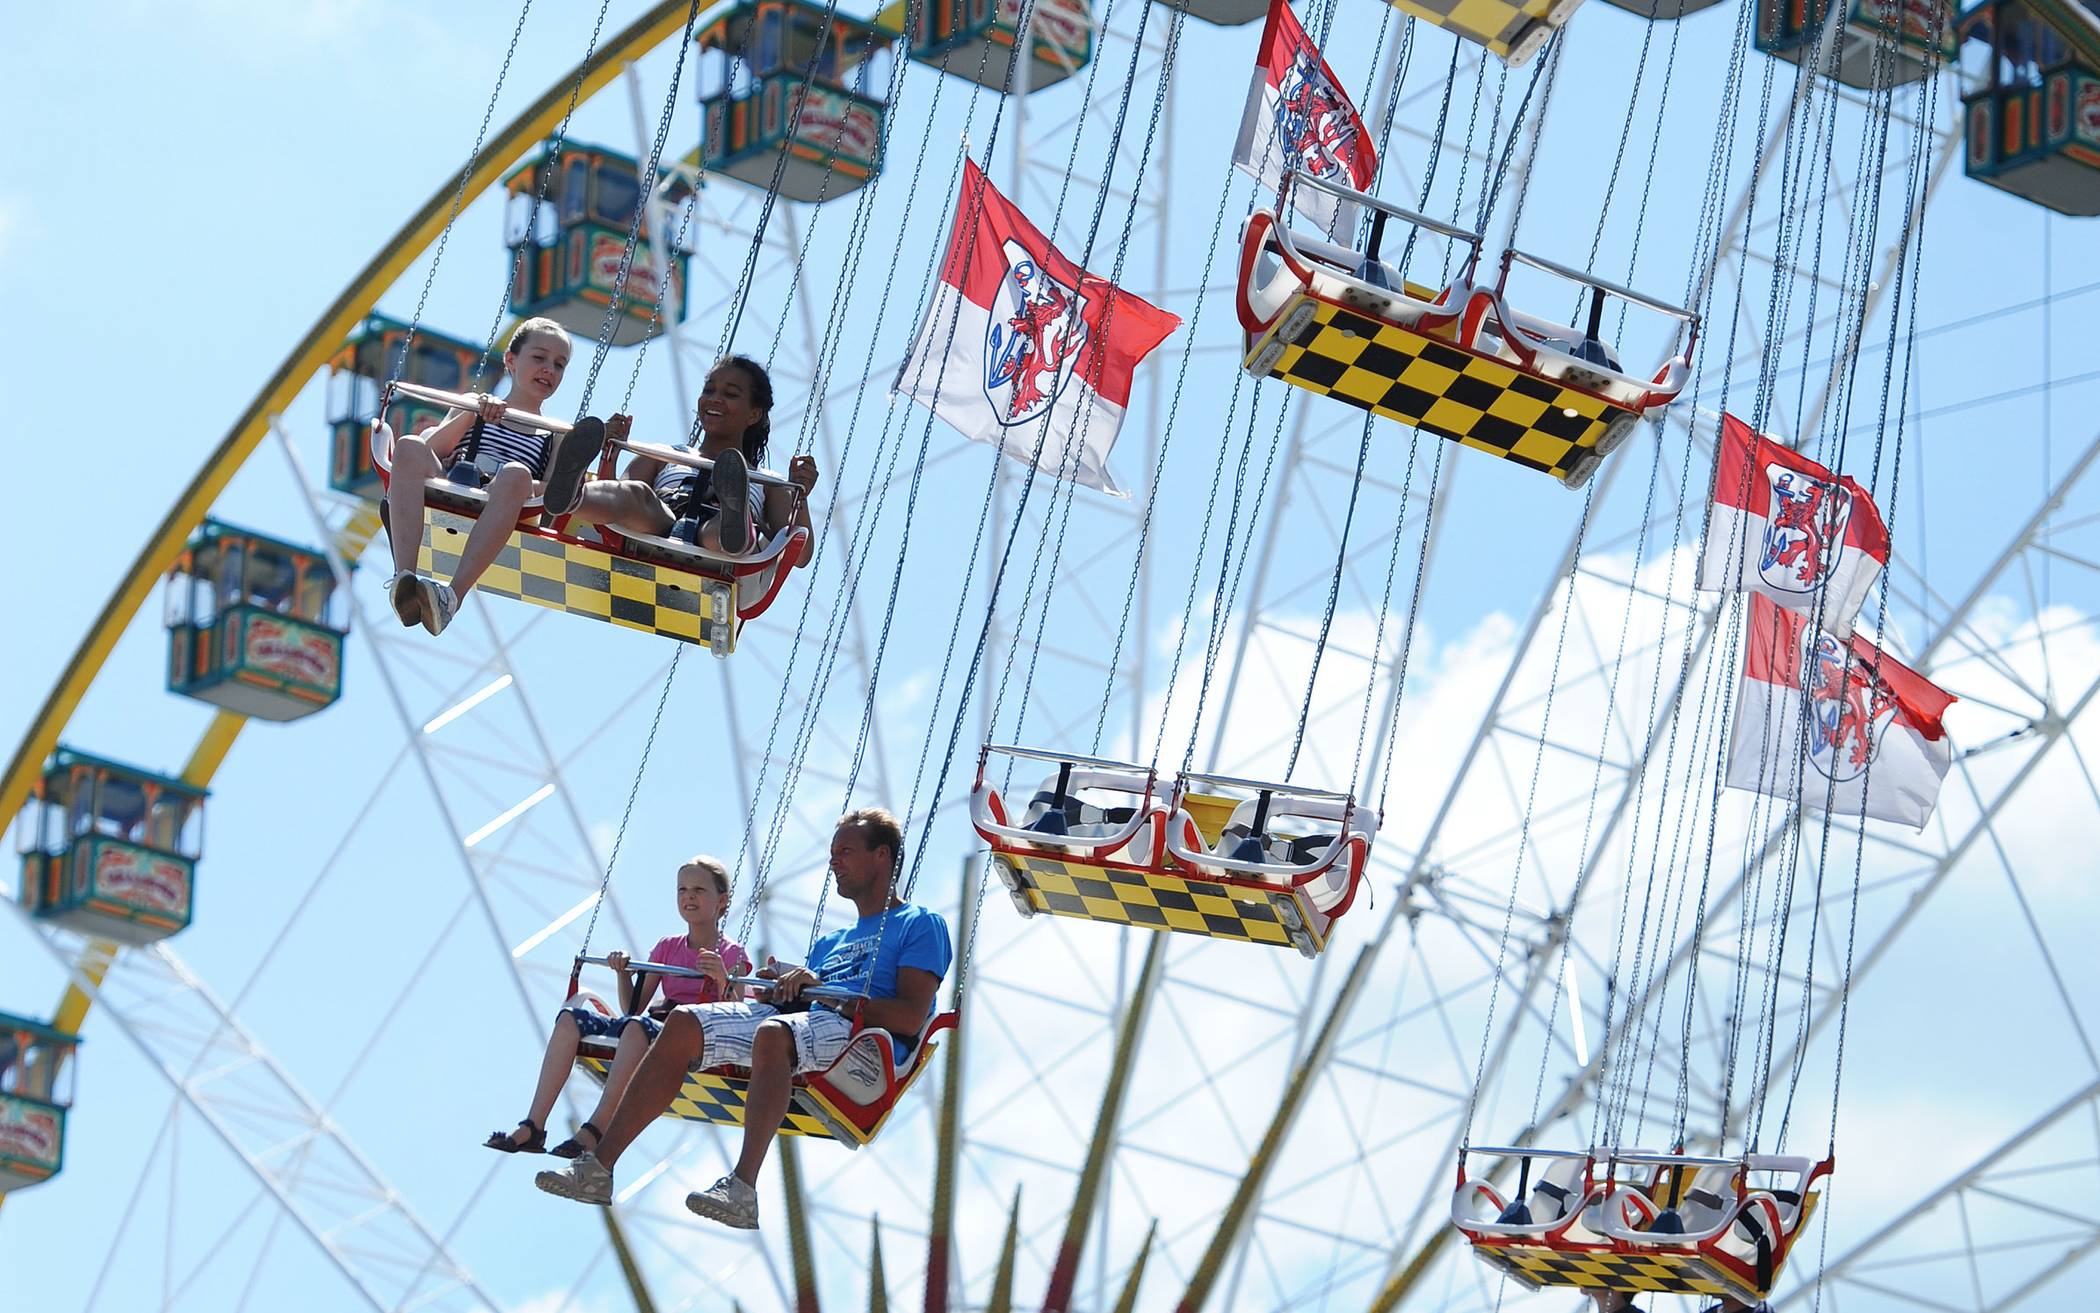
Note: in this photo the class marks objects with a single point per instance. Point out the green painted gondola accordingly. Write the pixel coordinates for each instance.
(974, 39)
(754, 58)
(371, 356)
(1909, 38)
(109, 849)
(570, 214)
(254, 625)
(36, 1089)
(2033, 125)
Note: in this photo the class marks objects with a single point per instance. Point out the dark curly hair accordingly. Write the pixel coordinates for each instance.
(761, 385)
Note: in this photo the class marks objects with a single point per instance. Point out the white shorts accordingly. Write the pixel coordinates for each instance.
(728, 1030)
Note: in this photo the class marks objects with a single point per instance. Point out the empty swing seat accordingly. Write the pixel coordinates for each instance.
(1683, 1224)
(1457, 362)
(1098, 842)
(638, 581)
(848, 1101)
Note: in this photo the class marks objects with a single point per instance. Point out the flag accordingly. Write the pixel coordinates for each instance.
(1025, 347)
(1786, 528)
(1867, 725)
(1298, 117)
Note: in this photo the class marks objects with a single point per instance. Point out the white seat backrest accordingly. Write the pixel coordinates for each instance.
(1708, 1197)
(1558, 1192)
(1329, 810)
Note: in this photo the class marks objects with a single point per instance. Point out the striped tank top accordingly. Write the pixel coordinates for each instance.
(501, 444)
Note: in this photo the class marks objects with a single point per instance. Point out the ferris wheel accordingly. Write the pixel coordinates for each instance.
(1542, 935)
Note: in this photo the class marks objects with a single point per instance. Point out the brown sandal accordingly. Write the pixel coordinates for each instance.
(503, 1141)
(570, 1149)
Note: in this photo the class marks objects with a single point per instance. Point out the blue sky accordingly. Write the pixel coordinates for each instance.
(190, 186)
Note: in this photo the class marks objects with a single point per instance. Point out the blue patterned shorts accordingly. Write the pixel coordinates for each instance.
(593, 1024)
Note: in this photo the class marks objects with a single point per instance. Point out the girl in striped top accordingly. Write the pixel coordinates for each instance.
(735, 422)
(510, 461)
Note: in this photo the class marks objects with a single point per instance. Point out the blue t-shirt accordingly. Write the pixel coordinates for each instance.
(911, 937)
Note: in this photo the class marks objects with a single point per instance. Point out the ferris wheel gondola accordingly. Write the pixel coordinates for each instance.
(2033, 122)
(36, 1091)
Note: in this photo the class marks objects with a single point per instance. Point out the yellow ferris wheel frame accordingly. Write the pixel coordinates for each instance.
(663, 21)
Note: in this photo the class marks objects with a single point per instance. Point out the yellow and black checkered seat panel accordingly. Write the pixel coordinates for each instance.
(577, 578)
(1153, 900)
(1606, 1270)
(1419, 380)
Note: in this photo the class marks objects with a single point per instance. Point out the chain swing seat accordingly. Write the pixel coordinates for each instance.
(657, 585)
(1641, 1221)
(1457, 362)
(1101, 842)
(848, 1101)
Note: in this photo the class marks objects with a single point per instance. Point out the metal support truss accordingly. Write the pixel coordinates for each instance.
(291, 1146)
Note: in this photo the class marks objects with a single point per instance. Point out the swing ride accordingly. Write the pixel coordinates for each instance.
(795, 106)
(1456, 362)
(1101, 841)
(677, 589)
(848, 1101)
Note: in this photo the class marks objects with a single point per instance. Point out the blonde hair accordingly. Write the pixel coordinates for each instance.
(537, 324)
(713, 866)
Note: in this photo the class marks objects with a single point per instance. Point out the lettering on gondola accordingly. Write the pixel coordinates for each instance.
(834, 122)
(29, 1134)
(291, 652)
(142, 879)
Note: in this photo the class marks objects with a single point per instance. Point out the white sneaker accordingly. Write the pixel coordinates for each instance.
(585, 1180)
(439, 605)
(728, 1201)
(406, 599)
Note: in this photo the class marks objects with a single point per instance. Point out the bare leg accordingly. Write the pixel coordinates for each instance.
(656, 1082)
(413, 464)
(508, 491)
(554, 1069)
(766, 1102)
(626, 504)
(634, 1042)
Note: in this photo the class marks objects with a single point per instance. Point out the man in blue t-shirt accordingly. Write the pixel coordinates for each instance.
(894, 955)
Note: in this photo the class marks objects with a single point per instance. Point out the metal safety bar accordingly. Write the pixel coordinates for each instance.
(1266, 786)
(1626, 294)
(821, 993)
(694, 461)
(1512, 1151)
(1368, 201)
(1071, 758)
(1639, 1158)
(461, 401)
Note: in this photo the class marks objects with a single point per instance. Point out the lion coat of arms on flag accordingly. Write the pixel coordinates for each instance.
(1032, 339)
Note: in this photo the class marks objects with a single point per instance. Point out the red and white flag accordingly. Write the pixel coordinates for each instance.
(1024, 346)
(1867, 725)
(1298, 117)
(1788, 529)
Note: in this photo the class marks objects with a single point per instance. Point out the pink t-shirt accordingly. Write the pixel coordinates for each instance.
(674, 951)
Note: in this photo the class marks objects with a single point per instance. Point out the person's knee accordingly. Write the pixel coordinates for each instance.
(512, 481)
(682, 1035)
(413, 455)
(773, 1046)
(565, 1024)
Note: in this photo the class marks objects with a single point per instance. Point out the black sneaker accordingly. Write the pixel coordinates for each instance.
(732, 487)
(573, 453)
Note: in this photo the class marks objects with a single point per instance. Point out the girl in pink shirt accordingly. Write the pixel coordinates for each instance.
(703, 899)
